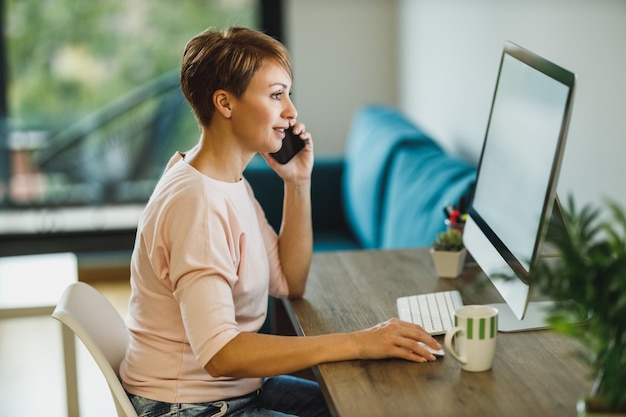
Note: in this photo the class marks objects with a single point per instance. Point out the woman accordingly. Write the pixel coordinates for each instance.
(205, 257)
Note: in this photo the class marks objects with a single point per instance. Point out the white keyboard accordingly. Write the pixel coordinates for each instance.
(433, 311)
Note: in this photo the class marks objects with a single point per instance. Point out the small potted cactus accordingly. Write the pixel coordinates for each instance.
(448, 253)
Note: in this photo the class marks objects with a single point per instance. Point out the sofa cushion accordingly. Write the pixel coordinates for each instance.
(421, 181)
(375, 134)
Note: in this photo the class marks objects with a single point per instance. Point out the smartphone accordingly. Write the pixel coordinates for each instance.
(292, 144)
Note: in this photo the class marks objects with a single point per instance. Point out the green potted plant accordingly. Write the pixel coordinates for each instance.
(448, 253)
(588, 283)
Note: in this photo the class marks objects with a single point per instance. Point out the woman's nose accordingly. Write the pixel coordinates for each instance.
(290, 111)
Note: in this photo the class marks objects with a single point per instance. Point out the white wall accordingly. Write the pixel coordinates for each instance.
(450, 52)
(345, 54)
(437, 60)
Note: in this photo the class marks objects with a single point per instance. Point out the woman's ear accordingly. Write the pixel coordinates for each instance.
(222, 103)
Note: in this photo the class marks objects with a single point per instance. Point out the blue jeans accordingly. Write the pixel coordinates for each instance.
(280, 396)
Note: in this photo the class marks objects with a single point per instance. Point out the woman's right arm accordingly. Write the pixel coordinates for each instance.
(260, 355)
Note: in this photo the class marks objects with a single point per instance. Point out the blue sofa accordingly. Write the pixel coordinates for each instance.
(388, 191)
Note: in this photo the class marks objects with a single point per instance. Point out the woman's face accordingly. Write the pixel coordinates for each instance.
(261, 115)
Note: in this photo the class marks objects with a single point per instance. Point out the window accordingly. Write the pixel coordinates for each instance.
(93, 105)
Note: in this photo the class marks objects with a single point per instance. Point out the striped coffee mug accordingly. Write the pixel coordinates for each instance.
(472, 340)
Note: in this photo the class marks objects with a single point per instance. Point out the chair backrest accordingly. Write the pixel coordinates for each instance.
(101, 329)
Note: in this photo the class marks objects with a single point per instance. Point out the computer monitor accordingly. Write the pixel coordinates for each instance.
(516, 183)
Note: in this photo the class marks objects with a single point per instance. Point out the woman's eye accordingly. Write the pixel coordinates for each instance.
(277, 95)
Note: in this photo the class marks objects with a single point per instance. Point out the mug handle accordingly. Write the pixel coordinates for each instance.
(448, 344)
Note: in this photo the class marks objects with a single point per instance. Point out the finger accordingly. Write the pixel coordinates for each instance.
(425, 336)
(418, 349)
(418, 334)
(410, 355)
(308, 142)
(304, 135)
(299, 128)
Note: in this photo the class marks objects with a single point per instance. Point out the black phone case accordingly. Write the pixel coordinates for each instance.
(292, 144)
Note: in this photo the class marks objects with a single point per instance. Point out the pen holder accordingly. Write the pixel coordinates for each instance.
(454, 226)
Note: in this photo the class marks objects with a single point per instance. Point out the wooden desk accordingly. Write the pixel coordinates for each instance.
(534, 373)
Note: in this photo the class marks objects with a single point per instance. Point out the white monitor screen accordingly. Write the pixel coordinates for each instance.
(518, 157)
(518, 171)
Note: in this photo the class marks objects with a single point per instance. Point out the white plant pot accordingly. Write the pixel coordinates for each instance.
(448, 264)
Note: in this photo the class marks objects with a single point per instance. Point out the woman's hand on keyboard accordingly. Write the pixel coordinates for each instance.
(396, 339)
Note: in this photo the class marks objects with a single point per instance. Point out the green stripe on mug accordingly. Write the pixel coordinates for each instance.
(481, 328)
(470, 328)
(494, 326)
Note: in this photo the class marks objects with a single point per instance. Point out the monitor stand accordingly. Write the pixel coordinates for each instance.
(537, 312)
(534, 319)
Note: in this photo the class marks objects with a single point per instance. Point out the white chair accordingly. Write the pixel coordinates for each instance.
(101, 329)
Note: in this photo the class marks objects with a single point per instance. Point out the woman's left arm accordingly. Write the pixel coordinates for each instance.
(295, 239)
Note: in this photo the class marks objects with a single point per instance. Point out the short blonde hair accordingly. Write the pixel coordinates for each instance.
(228, 60)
